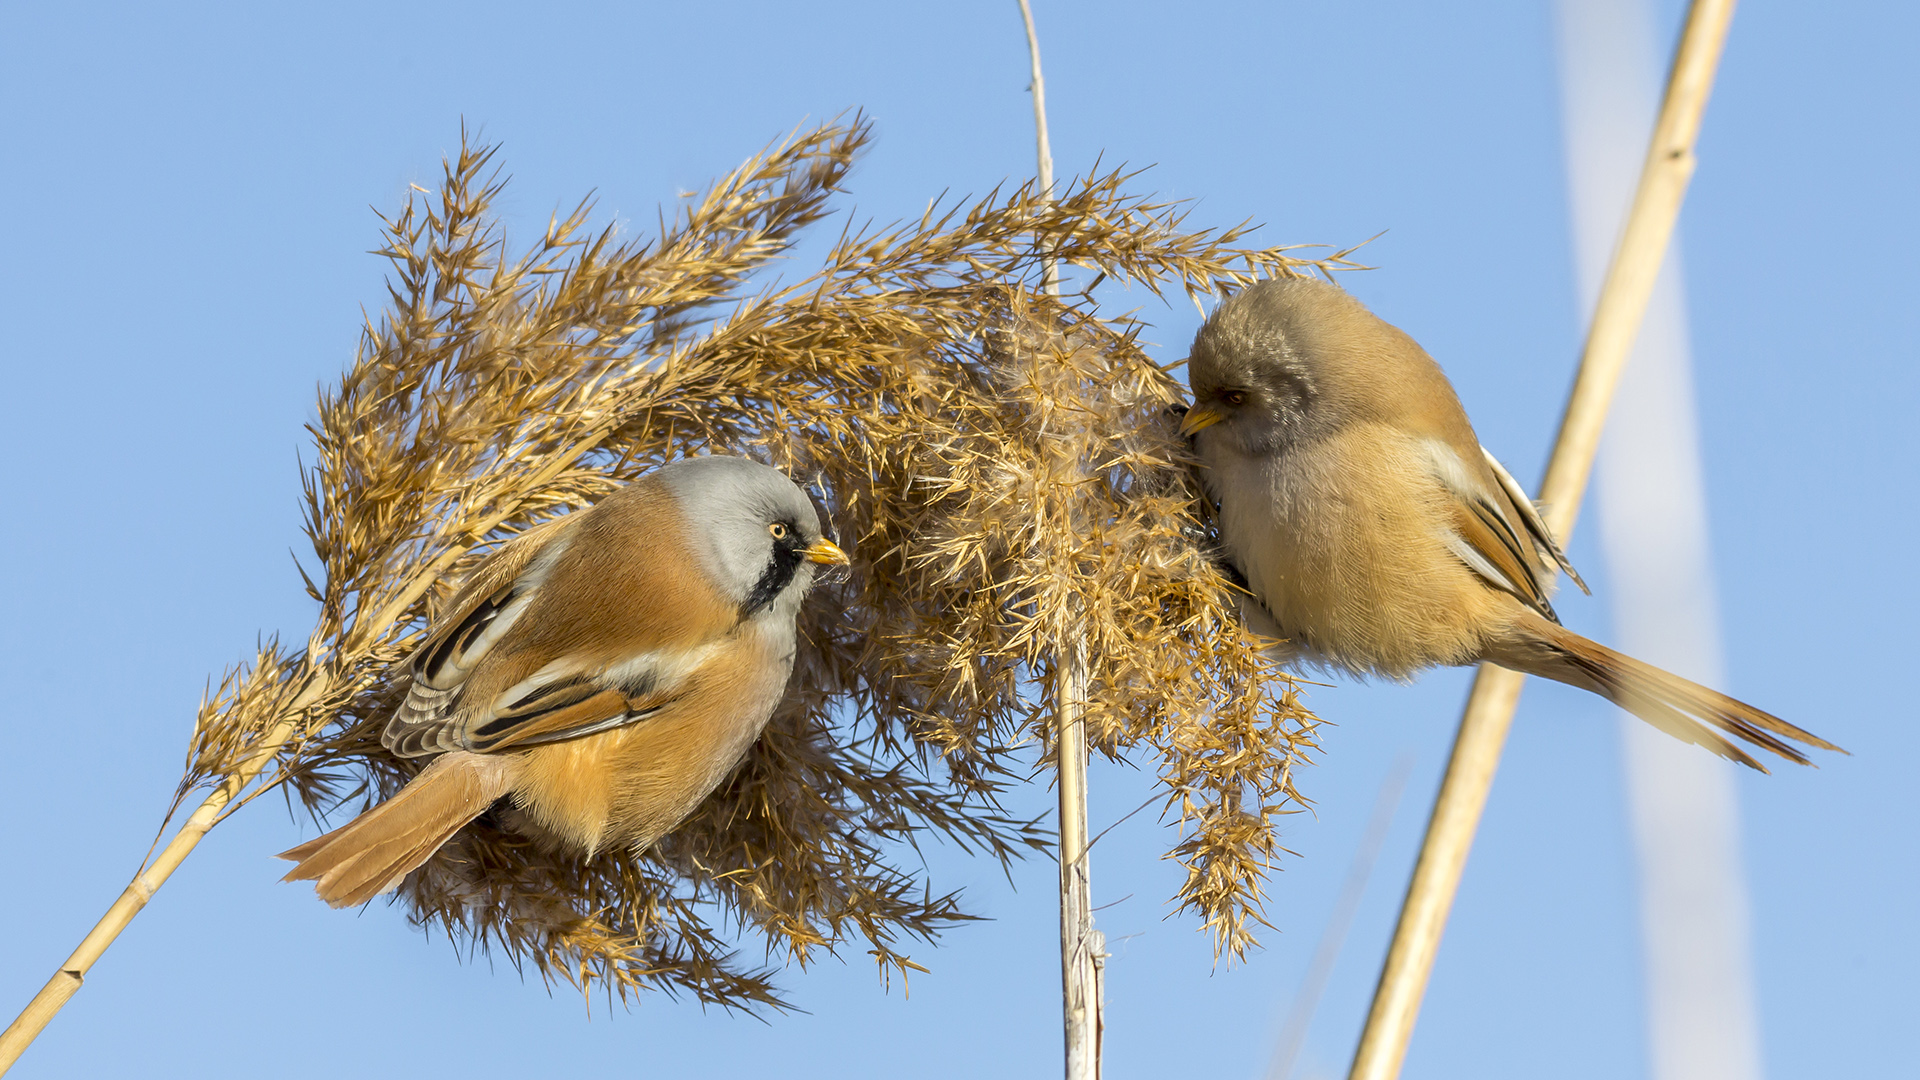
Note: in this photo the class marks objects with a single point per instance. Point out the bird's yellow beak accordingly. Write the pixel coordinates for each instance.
(1201, 416)
(826, 551)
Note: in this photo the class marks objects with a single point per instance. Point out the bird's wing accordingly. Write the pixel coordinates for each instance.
(1483, 534)
(564, 632)
(1530, 517)
(565, 709)
(486, 606)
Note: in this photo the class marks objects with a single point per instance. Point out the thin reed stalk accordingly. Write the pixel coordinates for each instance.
(1043, 147)
(1326, 953)
(73, 973)
(1490, 706)
(1082, 948)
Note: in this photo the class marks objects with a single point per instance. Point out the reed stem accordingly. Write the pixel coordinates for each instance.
(66, 981)
(1488, 716)
(1043, 150)
(1293, 1033)
(1082, 948)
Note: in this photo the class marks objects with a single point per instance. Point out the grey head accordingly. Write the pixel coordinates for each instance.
(756, 534)
(1262, 369)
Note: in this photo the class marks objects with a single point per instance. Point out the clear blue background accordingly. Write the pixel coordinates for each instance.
(187, 192)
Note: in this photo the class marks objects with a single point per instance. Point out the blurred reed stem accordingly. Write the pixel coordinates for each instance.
(1313, 985)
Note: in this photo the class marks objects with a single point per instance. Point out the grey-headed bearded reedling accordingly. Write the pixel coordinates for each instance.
(597, 676)
(1374, 533)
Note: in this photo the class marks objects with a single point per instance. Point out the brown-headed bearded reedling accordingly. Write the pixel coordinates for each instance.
(1374, 533)
(601, 674)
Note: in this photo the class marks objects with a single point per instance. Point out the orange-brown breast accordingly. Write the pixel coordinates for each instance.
(630, 786)
(1350, 554)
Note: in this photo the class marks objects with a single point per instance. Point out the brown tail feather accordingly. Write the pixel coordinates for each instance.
(1677, 706)
(372, 853)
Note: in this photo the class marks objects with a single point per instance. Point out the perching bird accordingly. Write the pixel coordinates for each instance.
(602, 672)
(1374, 533)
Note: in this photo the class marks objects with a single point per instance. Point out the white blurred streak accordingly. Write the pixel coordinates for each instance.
(1685, 816)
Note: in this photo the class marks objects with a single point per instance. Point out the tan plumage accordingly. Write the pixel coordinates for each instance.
(1374, 532)
(601, 673)
(372, 853)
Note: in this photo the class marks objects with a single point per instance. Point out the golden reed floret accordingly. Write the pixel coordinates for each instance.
(1003, 461)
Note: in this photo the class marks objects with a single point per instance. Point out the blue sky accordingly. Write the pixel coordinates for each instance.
(188, 191)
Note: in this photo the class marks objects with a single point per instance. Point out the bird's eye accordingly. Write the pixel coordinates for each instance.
(779, 530)
(1234, 397)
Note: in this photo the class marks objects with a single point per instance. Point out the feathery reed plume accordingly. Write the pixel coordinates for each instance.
(996, 458)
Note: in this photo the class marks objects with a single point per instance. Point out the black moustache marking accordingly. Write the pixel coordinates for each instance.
(788, 553)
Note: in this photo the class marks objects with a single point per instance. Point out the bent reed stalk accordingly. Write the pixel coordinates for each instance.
(1496, 691)
(999, 459)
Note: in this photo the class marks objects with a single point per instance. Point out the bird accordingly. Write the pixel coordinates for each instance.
(596, 677)
(1376, 536)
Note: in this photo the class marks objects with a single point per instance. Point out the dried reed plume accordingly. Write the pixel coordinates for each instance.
(1001, 463)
